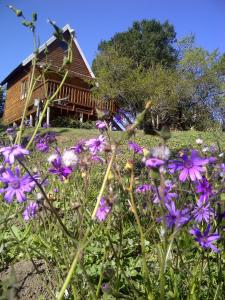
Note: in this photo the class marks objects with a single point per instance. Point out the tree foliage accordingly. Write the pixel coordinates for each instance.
(188, 94)
(147, 43)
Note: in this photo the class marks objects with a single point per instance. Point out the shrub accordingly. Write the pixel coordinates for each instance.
(71, 123)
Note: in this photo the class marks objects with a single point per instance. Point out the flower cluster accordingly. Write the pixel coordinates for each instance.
(183, 189)
(43, 141)
(14, 184)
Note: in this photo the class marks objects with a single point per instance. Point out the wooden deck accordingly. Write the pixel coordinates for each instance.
(72, 98)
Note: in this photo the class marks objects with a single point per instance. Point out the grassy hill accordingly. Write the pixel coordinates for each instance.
(179, 139)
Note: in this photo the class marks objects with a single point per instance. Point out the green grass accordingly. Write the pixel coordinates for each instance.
(179, 139)
(44, 238)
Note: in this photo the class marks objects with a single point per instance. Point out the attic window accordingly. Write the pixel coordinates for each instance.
(24, 89)
(63, 45)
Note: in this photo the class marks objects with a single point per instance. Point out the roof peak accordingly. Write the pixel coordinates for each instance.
(47, 43)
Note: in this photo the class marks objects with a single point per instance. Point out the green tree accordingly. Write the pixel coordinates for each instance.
(147, 43)
(201, 87)
(117, 78)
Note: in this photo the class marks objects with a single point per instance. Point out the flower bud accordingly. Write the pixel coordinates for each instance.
(110, 175)
(129, 165)
(165, 133)
(148, 105)
(146, 152)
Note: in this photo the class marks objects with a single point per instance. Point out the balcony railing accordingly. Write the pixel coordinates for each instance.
(78, 96)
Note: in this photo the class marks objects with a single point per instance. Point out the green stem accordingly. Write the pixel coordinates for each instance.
(29, 93)
(79, 251)
(101, 274)
(142, 238)
(73, 266)
(104, 184)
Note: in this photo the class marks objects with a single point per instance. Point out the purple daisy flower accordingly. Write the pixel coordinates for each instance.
(42, 146)
(154, 163)
(16, 186)
(79, 147)
(58, 168)
(169, 195)
(212, 160)
(189, 167)
(135, 147)
(96, 145)
(101, 125)
(205, 189)
(43, 141)
(144, 188)
(13, 152)
(103, 210)
(205, 239)
(202, 212)
(176, 217)
(11, 131)
(30, 211)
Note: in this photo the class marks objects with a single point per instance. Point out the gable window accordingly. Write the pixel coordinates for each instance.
(24, 89)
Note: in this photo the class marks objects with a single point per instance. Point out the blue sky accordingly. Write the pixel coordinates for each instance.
(94, 20)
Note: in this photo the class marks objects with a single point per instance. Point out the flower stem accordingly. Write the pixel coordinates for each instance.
(104, 183)
(142, 238)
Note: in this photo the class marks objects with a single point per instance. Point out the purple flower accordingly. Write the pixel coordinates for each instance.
(143, 188)
(2, 169)
(30, 211)
(205, 189)
(96, 145)
(212, 148)
(175, 217)
(205, 239)
(16, 186)
(58, 168)
(45, 125)
(13, 152)
(222, 170)
(154, 163)
(135, 147)
(189, 167)
(212, 159)
(101, 125)
(169, 195)
(97, 159)
(42, 146)
(202, 211)
(43, 141)
(103, 210)
(11, 131)
(79, 147)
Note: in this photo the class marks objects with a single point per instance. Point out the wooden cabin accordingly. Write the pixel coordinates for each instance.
(74, 100)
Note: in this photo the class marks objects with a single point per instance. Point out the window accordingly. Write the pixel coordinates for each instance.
(24, 89)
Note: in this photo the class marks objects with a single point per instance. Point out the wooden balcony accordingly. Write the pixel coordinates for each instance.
(78, 98)
(71, 98)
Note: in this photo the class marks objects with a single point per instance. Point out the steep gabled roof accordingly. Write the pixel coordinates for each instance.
(27, 60)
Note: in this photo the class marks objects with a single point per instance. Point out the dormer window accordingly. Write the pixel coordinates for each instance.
(24, 89)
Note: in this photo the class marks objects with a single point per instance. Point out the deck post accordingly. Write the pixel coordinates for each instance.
(81, 117)
(31, 120)
(48, 116)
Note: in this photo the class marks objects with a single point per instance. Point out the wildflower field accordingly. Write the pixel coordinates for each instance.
(97, 214)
